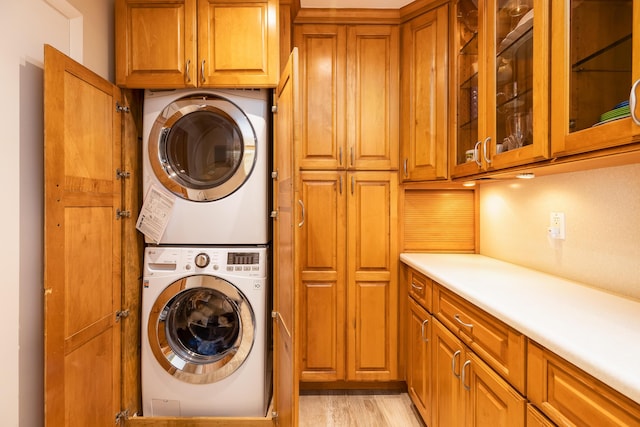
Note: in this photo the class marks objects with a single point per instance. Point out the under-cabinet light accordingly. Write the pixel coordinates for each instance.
(526, 175)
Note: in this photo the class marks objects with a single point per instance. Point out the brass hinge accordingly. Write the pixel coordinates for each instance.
(122, 108)
(121, 314)
(122, 416)
(122, 214)
(120, 174)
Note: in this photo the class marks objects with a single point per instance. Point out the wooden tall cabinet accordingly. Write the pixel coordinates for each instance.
(424, 97)
(197, 43)
(348, 275)
(350, 96)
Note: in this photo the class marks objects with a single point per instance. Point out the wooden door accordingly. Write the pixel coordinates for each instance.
(447, 358)
(322, 251)
(285, 325)
(424, 138)
(156, 43)
(82, 253)
(492, 402)
(372, 98)
(372, 276)
(323, 65)
(419, 359)
(238, 43)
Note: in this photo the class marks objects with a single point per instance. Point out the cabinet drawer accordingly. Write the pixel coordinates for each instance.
(499, 345)
(420, 288)
(569, 396)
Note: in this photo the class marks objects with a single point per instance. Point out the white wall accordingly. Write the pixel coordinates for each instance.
(25, 26)
(602, 210)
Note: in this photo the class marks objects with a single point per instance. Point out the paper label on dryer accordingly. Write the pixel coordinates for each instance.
(155, 214)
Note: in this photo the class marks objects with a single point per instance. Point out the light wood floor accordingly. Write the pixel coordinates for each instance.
(357, 409)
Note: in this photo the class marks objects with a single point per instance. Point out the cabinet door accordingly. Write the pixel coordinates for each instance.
(447, 358)
(323, 68)
(419, 359)
(424, 138)
(372, 276)
(321, 250)
(594, 65)
(502, 84)
(491, 401)
(155, 43)
(238, 43)
(372, 100)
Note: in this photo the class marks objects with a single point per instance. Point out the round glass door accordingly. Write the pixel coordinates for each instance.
(202, 147)
(201, 329)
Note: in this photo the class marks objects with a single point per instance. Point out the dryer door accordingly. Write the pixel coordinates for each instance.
(202, 147)
(201, 329)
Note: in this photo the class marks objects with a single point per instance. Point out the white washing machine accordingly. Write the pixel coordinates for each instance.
(208, 151)
(204, 349)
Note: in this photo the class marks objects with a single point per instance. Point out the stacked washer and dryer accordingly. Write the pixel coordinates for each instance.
(205, 295)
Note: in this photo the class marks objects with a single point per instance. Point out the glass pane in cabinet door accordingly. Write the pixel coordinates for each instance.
(601, 60)
(467, 135)
(514, 74)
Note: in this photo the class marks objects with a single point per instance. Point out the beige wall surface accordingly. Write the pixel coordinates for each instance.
(602, 213)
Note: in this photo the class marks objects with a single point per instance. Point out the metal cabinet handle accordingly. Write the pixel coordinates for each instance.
(406, 169)
(477, 151)
(467, 325)
(484, 150)
(453, 363)
(633, 101)
(416, 287)
(188, 70)
(353, 185)
(424, 323)
(352, 158)
(202, 76)
(340, 184)
(301, 223)
(464, 382)
(340, 156)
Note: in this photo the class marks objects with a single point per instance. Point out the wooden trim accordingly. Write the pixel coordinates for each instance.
(348, 16)
(418, 7)
(400, 386)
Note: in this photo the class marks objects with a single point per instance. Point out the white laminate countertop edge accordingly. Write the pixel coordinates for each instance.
(595, 330)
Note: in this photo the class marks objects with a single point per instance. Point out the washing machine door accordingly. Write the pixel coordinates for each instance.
(201, 329)
(202, 147)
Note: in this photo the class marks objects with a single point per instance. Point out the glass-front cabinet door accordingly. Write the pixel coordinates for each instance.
(502, 84)
(595, 71)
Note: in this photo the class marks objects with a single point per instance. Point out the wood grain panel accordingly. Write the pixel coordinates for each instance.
(439, 220)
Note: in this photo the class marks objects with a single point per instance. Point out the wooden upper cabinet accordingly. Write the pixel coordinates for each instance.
(349, 96)
(238, 43)
(156, 43)
(424, 102)
(197, 43)
(594, 66)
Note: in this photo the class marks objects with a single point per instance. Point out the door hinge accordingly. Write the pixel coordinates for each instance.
(122, 416)
(122, 214)
(274, 415)
(120, 174)
(121, 314)
(274, 314)
(274, 109)
(274, 175)
(274, 214)
(121, 108)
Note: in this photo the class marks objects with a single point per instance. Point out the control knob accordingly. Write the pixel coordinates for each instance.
(202, 260)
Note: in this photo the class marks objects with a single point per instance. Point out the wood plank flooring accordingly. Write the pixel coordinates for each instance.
(352, 408)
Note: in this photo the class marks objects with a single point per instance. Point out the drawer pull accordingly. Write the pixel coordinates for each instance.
(453, 363)
(467, 325)
(416, 287)
(424, 323)
(464, 383)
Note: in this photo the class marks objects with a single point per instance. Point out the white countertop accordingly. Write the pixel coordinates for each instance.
(597, 331)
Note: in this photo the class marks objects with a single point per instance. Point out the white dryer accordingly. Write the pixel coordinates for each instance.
(208, 151)
(204, 348)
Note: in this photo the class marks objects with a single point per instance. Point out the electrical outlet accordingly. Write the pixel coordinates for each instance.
(556, 228)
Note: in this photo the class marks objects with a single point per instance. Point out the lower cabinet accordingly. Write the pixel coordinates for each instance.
(419, 359)
(348, 277)
(466, 391)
